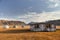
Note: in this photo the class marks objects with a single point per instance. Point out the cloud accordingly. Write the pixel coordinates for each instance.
(53, 3)
(9, 19)
(39, 17)
(36, 17)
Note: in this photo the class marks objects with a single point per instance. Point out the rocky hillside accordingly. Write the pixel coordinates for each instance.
(56, 22)
(11, 22)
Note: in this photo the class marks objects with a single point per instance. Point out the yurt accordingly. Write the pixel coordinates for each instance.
(42, 27)
(6, 26)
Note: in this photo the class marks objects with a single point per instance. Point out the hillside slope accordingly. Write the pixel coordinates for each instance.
(11, 22)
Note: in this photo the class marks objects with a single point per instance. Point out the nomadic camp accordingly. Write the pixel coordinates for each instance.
(42, 27)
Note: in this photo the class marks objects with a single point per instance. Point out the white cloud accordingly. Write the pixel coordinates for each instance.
(36, 17)
(40, 17)
(53, 3)
(56, 5)
(9, 19)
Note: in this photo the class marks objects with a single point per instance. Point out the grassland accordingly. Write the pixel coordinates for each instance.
(28, 35)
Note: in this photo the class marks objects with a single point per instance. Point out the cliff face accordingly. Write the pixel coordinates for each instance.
(2, 22)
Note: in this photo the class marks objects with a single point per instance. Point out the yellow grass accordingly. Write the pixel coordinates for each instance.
(28, 35)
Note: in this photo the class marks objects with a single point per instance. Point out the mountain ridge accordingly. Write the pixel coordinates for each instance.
(11, 22)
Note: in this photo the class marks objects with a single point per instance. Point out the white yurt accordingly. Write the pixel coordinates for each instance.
(6, 26)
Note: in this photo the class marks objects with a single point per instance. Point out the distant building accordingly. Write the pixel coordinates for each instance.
(42, 27)
(6, 26)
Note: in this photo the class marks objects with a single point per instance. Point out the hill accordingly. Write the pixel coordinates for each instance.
(56, 22)
(11, 22)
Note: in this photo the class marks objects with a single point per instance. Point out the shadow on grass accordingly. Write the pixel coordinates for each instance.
(21, 31)
(16, 31)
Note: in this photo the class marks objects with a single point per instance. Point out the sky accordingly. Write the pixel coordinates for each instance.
(30, 10)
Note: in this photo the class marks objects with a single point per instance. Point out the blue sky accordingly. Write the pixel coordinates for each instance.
(30, 10)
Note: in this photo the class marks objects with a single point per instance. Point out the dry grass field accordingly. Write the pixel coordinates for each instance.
(17, 34)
